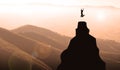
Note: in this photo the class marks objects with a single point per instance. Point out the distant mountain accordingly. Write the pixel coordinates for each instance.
(110, 52)
(17, 40)
(108, 46)
(43, 35)
(13, 58)
(39, 50)
(109, 49)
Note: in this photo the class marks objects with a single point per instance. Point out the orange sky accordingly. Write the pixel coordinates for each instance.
(61, 15)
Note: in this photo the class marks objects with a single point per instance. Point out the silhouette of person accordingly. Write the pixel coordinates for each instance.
(82, 15)
(82, 52)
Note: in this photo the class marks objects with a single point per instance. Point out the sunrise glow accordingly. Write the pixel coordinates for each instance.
(101, 15)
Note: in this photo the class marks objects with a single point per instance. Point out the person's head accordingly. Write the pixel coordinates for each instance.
(82, 9)
(82, 28)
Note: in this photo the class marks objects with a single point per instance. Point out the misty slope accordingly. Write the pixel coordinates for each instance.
(21, 42)
(39, 50)
(109, 49)
(110, 52)
(11, 58)
(109, 46)
(43, 35)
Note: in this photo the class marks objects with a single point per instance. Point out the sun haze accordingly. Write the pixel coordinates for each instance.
(61, 16)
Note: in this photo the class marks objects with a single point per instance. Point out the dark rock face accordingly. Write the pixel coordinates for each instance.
(82, 52)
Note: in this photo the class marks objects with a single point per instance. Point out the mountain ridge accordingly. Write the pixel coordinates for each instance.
(50, 35)
(50, 53)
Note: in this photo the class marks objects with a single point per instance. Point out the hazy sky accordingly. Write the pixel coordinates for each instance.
(62, 2)
(60, 15)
